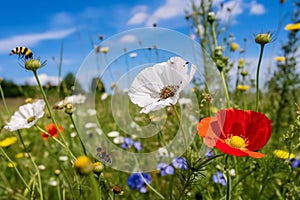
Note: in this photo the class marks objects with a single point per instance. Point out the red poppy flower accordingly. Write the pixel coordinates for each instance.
(236, 132)
(51, 129)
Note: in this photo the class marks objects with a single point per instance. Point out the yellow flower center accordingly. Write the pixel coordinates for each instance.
(236, 142)
(168, 91)
(30, 119)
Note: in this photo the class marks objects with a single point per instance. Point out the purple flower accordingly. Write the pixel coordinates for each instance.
(219, 178)
(165, 169)
(295, 163)
(137, 146)
(209, 153)
(128, 142)
(136, 182)
(180, 163)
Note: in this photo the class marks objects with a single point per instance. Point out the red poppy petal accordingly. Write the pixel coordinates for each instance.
(205, 130)
(225, 148)
(254, 154)
(258, 130)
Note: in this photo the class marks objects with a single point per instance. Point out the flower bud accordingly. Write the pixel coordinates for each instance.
(98, 168)
(244, 73)
(69, 108)
(211, 17)
(33, 65)
(263, 38)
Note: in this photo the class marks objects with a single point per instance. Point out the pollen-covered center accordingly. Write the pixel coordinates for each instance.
(30, 119)
(236, 142)
(168, 91)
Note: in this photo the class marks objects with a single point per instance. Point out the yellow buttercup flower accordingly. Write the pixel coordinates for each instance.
(11, 164)
(283, 154)
(280, 58)
(243, 87)
(241, 63)
(234, 47)
(292, 27)
(8, 141)
(19, 155)
(83, 165)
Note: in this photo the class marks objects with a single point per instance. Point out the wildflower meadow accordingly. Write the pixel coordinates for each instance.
(169, 116)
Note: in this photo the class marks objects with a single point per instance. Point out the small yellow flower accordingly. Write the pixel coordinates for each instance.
(283, 154)
(292, 27)
(214, 109)
(19, 155)
(244, 72)
(11, 164)
(234, 47)
(104, 50)
(241, 63)
(29, 100)
(8, 141)
(280, 58)
(243, 87)
(83, 165)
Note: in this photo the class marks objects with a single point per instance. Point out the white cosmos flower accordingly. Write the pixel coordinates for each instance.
(159, 86)
(26, 116)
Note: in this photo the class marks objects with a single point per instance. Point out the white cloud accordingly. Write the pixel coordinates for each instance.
(128, 39)
(138, 18)
(32, 39)
(172, 8)
(62, 18)
(44, 79)
(256, 8)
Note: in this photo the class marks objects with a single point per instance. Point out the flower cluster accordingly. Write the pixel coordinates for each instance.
(128, 143)
(137, 181)
(166, 169)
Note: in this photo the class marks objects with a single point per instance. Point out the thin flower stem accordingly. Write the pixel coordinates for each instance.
(3, 100)
(34, 164)
(145, 181)
(226, 89)
(81, 142)
(228, 184)
(179, 124)
(16, 169)
(95, 187)
(50, 112)
(257, 76)
(56, 140)
(213, 31)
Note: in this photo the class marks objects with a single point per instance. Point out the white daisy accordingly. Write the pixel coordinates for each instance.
(159, 86)
(26, 116)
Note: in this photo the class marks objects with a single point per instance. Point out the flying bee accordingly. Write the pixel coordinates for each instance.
(103, 155)
(22, 52)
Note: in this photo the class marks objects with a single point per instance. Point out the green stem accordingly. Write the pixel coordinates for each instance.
(213, 30)
(257, 76)
(15, 168)
(34, 164)
(228, 185)
(3, 100)
(81, 142)
(226, 89)
(56, 140)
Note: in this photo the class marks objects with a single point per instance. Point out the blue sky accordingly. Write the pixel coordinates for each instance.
(44, 26)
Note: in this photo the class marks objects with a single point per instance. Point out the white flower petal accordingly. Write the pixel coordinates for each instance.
(118, 140)
(147, 86)
(113, 134)
(20, 118)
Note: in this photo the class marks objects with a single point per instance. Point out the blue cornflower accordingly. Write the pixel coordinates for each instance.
(180, 163)
(128, 142)
(136, 182)
(219, 178)
(209, 153)
(295, 163)
(165, 169)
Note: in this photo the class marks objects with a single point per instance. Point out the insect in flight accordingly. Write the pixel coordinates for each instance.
(22, 52)
(103, 155)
